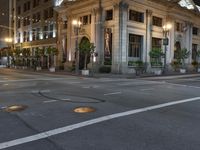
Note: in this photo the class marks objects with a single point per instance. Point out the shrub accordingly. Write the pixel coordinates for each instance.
(195, 63)
(107, 62)
(105, 69)
(155, 63)
(137, 63)
(175, 64)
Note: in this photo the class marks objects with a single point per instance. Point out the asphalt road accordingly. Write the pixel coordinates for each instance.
(131, 114)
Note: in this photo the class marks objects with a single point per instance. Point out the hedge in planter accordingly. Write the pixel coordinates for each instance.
(155, 57)
(182, 55)
(105, 69)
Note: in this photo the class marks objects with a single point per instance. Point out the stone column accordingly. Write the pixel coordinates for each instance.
(116, 40)
(146, 57)
(93, 26)
(119, 55)
(59, 43)
(99, 35)
(188, 39)
(70, 41)
(171, 37)
(170, 53)
(123, 37)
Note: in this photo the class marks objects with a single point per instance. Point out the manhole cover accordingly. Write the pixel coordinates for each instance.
(15, 108)
(84, 109)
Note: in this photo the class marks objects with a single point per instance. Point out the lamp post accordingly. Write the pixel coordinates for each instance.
(8, 41)
(166, 29)
(77, 25)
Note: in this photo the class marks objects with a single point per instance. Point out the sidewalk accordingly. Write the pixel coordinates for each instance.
(112, 75)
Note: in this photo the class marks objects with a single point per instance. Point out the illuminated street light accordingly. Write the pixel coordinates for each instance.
(77, 25)
(166, 29)
(9, 42)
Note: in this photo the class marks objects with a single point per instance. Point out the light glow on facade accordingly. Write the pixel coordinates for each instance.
(186, 3)
(198, 7)
(70, 56)
(58, 2)
(30, 36)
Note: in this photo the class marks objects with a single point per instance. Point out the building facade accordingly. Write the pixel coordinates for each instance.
(35, 26)
(125, 31)
(5, 21)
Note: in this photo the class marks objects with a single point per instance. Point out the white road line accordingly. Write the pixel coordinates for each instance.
(3, 107)
(50, 101)
(93, 86)
(86, 87)
(45, 91)
(67, 99)
(73, 82)
(183, 85)
(150, 89)
(38, 79)
(34, 91)
(112, 93)
(65, 129)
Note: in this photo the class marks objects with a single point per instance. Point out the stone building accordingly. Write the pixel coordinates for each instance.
(4, 22)
(126, 30)
(35, 26)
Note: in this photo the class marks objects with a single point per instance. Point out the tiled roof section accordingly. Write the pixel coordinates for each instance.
(197, 2)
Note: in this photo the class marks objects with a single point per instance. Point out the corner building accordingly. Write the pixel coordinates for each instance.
(35, 26)
(126, 30)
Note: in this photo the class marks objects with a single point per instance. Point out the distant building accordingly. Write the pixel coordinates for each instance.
(35, 26)
(5, 21)
(125, 31)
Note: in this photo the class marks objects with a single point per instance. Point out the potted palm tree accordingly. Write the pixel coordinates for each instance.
(182, 55)
(26, 54)
(86, 48)
(197, 60)
(38, 54)
(17, 53)
(156, 62)
(52, 52)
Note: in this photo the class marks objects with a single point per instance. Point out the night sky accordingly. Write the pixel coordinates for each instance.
(197, 2)
(4, 11)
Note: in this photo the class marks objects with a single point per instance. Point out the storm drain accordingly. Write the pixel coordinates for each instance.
(15, 108)
(84, 109)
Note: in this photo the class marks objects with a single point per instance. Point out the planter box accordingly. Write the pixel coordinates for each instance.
(85, 72)
(38, 68)
(52, 69)
(157, 70)
(24, 67)
(182, 70)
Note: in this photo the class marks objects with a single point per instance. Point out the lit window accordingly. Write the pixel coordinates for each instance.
(136, 16)
(135, 46)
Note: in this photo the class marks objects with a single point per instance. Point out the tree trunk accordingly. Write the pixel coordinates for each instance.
(85, 63)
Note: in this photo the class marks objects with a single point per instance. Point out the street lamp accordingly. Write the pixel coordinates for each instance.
(8, 41)
(77, 25)
(166, 29)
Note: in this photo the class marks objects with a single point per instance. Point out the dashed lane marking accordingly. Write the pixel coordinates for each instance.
(65, 129)
(183, 85)
(112, 93)
(50, 101)
(150, 89)
(38, 79)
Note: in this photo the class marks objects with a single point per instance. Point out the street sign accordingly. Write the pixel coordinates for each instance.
(165, 41)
